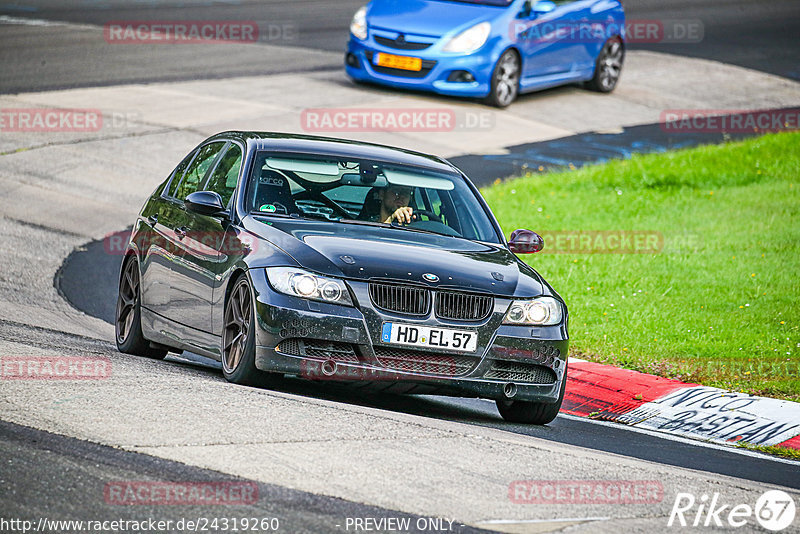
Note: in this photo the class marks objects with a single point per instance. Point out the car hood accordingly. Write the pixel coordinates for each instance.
(364, 252)
(427, 17)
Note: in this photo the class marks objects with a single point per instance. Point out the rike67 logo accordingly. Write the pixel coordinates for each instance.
(775, 510)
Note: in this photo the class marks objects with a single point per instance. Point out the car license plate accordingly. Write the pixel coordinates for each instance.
(398, 62)
(426, 336)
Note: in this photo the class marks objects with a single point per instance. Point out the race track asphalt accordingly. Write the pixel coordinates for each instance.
(37, 57)
(757, 34)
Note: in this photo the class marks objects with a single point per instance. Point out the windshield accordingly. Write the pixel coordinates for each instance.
(345, 191)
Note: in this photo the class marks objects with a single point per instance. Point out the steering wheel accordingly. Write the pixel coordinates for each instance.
(341, 212)
(415, 217)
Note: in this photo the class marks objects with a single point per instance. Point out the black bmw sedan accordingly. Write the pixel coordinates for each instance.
(337, 260)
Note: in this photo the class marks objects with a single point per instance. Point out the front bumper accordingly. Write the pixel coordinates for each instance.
(434, 77)
(320, 341)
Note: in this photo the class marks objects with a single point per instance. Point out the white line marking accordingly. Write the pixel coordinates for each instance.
(5, 19)
(688, 441)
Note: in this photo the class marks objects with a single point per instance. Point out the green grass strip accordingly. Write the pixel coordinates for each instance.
(718, 302)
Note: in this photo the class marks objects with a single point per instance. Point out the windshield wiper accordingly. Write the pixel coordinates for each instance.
(365, 223)
(318, 216)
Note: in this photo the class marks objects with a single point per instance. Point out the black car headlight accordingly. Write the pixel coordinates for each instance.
(299, 283)
(542, 311)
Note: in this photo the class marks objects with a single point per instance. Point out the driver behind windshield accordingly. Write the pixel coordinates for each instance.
(387, 205)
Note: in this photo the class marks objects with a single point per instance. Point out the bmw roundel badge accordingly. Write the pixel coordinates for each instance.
(428, 277)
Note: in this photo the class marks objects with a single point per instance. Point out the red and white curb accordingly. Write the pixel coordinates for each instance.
(690, 410)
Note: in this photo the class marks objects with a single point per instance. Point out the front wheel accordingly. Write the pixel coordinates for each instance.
(239, 338)
(128, 316)
(608, 68)
(505, 80)
(532, 413)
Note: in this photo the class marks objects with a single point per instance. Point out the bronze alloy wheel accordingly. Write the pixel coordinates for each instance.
(238, 320)
(239, 340)
(128, 317)
(128, 301)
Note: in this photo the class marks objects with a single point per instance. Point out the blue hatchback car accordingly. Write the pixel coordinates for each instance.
(491, 49)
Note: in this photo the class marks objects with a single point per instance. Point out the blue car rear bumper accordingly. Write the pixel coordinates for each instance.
(435, 75)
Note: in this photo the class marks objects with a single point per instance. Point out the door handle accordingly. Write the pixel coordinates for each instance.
(181, 232)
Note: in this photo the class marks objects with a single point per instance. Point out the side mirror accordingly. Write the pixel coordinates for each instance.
(205, 203)
(535, 8)
(525, 242)
(542, 7)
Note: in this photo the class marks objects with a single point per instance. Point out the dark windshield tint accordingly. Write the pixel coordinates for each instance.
(353, 191)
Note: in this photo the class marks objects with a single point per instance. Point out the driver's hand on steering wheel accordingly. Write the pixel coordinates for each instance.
(401, 215)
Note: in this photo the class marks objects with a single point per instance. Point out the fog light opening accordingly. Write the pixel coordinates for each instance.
(352, 60)
(461, 76)
(510, 390)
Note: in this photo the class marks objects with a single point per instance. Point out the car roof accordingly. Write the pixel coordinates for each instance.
(310, 144)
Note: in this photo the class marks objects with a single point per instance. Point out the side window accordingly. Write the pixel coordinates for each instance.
(435, 202)
(226, 175)
(177, 174)
(197, 170)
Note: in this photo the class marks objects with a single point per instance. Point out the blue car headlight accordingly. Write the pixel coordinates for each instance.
(358, 26)
(543, 311)
(299, 283)
(469, 40)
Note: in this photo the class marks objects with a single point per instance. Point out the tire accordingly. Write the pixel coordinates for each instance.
(531, 413)
(608, 67)
(505, 80)
(239, 339)
(128, 315)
